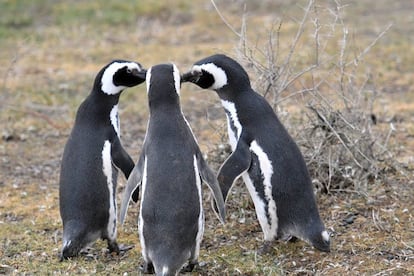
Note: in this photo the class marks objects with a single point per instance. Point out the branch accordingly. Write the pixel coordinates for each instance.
(368, 48)
(224, 19)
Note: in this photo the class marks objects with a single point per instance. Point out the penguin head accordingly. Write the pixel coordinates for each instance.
(119, 75)
(163, 83)
(218, 72)
(320, 240)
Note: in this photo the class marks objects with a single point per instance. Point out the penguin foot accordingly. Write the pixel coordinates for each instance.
(124, 248)
(113, 247)
(147, 268)
(290, 238)
(89, 253)
(266, 248)
(189, 267)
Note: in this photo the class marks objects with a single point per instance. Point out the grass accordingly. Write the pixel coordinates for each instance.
(50, 53)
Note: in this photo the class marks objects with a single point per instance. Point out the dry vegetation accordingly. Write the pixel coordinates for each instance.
(329, 69)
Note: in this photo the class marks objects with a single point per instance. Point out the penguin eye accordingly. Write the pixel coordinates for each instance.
(129, 71)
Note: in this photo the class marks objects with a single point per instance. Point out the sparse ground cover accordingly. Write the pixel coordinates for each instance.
(50, 52)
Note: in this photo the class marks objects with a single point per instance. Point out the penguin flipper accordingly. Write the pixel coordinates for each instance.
(121, 158)
(132, 188)
(208, 176)
(237, 163)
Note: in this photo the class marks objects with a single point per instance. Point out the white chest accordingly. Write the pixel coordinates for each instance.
(233, 124)
(115, 119)
(107, 170)
(267, 216)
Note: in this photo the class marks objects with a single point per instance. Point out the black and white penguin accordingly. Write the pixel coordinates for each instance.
(264, 154)
(170, 171)
(91, 159)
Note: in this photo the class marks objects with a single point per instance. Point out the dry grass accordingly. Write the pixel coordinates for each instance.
(49, 62)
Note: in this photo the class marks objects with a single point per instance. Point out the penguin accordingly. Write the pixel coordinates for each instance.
(264, 155)
(170, 172)
(91, 159)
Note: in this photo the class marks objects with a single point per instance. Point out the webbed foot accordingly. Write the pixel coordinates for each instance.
(113, 247)
(266, 248)
(147, 268)
(189, 267)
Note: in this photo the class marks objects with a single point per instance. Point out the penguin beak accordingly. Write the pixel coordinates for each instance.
(140, 74)
(191, 76)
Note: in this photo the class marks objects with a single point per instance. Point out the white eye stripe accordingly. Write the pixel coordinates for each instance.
(115, 119)
(177, 79)
(176, 75)
(148, 79)
(131, 65)
(108, 86)
(325, 236)
(220, 77)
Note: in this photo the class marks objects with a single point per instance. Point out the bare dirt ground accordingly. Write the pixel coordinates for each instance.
(48, 65)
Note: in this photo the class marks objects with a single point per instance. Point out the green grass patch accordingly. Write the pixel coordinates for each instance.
(19, 16)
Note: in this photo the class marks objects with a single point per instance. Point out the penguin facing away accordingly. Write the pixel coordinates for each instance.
(170, 171)
(91, 159)
(264, 154)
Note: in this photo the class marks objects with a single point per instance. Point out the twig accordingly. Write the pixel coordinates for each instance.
(8, 70)
(224, 19)
(40, 115)
(350, 191)
(337, 136)
(297, 76)
(368, 48)
(298, 35)
(294, 94)
(392, 129)
(406, 245)
(17, 55)
(316, 35)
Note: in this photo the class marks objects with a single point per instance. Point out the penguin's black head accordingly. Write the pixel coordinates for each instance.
(163, 83)
(118, 75)
(218, 72)
(321, 241)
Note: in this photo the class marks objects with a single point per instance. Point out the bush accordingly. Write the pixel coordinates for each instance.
(326, 81)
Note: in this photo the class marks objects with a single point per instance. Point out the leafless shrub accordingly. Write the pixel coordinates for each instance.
(325, 78)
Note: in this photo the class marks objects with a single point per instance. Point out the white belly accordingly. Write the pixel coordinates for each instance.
(231, 115)
(107, 170)
(268, 219)
(140, 218)
(201, 215)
